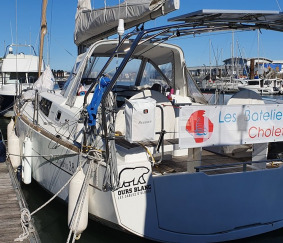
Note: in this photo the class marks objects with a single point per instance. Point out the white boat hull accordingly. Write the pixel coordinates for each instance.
(161, 207)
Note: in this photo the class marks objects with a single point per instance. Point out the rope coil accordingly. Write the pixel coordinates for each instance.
(25, 219)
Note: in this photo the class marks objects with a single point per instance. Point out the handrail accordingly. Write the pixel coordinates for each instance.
(161, 137)
(19, 45)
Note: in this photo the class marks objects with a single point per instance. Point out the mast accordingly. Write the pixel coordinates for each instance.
(43, 30)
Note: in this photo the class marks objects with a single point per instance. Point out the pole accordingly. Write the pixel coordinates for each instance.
(210, 60)
(232, 53)
(258, 53)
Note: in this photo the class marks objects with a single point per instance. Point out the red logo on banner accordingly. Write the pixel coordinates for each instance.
(199, 126)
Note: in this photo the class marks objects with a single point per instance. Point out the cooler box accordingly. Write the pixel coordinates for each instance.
(140, 119)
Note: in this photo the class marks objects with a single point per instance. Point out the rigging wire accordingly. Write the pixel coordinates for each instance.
(17, 75)
(11, 33)
(64, 48)
(278, 5)
(240, 52)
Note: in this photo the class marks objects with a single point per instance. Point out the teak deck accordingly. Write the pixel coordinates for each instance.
(180, 163)
(11, 202)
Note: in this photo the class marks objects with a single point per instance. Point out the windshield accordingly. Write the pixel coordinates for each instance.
(161, 75)
(134, 74)
(193, 90)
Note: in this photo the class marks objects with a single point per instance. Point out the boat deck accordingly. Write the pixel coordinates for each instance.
(210, 162)
(11, 203)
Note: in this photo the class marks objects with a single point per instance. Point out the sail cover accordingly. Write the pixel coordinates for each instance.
(95, 24)
(45, 81)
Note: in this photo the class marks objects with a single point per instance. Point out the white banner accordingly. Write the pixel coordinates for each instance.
(201, 126)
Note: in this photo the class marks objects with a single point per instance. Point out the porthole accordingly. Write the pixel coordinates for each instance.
(58, 116)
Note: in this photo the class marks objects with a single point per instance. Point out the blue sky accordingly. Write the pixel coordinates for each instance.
(60, 50)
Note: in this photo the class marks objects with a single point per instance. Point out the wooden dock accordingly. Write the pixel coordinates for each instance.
(11, 203)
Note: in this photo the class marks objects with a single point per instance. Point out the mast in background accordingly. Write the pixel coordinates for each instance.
(43, 30)
(258, 72)
(210, 60)
(232, 55)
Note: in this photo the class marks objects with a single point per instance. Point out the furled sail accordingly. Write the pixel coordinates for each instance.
(95, 24)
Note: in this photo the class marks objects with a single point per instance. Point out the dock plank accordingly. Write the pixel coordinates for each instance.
(10, 209)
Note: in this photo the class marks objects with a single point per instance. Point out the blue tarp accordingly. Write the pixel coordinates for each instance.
(96, 100)
(275, 66)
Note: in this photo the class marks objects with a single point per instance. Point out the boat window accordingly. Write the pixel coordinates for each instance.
(90, 72)
(126, 78)
(253, 82)
(22, 80)
(66, 84)
(167, 69)
(58, 116)
(193, 91)
(17, 76)
(267, 82)
(129, 75)
(153, 76)
(32, 77)
(45, 105)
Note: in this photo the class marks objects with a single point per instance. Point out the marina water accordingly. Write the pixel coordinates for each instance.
(51, 221)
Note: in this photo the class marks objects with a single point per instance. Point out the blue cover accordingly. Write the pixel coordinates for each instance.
(96, 100)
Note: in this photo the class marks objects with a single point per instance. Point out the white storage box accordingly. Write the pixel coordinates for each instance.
(140, 119)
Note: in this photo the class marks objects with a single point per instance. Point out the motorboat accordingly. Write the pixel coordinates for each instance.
(224, 84)
(260, 86)
(18, 70)
(132, 118)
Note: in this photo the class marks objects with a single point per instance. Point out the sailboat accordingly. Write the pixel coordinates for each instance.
(133, 124)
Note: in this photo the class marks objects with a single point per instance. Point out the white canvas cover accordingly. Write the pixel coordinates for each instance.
(103, 22)
(45, 81)
(140, 119)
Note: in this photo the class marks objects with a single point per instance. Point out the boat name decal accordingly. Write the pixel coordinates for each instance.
(132, 182)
